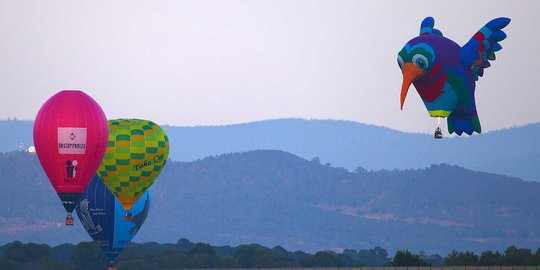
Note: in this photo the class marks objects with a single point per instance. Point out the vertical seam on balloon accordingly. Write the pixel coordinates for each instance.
(55, 146)
(84, 102)
(94, 112)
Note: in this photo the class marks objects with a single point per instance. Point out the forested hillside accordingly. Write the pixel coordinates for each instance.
(276, 198)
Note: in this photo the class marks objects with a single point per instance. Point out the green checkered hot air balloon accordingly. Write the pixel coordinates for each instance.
(136, 153)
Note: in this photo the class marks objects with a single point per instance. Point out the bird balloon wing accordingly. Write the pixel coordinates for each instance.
(481, 48)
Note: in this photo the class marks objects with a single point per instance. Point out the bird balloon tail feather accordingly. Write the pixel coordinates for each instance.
(459, 125)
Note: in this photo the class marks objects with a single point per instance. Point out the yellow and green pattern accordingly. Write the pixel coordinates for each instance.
(136, 153)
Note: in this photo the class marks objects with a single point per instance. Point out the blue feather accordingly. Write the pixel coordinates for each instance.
(477, 57)
(426, 27)
(498, 23)
(498, 35)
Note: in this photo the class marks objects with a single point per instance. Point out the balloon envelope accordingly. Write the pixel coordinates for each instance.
(70, 137)
(102, 216)
(136, 154)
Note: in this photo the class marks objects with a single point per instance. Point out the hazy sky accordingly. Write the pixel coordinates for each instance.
(225, 62)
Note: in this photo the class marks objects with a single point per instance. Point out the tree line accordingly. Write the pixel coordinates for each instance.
(188, 255)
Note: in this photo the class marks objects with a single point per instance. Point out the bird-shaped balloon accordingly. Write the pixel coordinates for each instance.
(444, 73)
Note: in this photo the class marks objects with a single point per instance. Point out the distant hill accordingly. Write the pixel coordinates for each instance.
(276, 198)
(514, 152)
(15, 132)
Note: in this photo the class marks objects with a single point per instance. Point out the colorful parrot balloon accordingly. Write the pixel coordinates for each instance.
(102, 216)
(136, 154)
(444, 73)
(70, 137)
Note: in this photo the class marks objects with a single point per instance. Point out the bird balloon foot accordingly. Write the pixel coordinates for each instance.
(438, 133)
(69, 220)
(127, 216)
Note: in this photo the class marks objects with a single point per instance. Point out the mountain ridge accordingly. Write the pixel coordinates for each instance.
(347, 144)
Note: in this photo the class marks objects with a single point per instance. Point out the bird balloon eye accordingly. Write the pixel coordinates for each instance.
(420, 61)
(400, 61)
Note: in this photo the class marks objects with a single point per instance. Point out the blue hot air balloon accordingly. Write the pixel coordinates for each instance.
(102, 216)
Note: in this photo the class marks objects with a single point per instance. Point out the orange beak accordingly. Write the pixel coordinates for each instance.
(410, 73)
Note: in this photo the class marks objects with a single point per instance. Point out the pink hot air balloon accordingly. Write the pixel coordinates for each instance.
(70, 136)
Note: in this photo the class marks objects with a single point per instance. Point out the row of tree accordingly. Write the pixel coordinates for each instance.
(188, 255)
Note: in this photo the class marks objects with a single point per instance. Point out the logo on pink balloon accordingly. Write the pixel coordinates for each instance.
(71, 140)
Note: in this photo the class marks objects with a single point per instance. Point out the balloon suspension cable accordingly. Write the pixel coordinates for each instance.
(438, 132)
(128, 215)
(69, 220)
